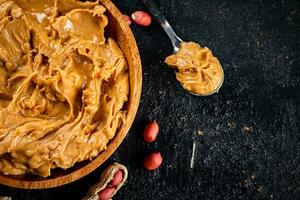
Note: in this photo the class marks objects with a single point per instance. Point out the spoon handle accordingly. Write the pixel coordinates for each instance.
(164, 23)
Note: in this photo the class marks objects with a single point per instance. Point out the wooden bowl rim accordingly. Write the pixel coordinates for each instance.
(49, 182)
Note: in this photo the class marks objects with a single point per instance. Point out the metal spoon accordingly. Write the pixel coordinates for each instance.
(176, 41)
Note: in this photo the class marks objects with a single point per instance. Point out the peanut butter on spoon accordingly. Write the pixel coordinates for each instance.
(198, 71)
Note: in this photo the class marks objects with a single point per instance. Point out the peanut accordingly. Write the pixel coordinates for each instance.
(111, 180)
(127, 19)
(153, 161)
(106, 193)
(141, 18)
(151, 131)
(117, 179)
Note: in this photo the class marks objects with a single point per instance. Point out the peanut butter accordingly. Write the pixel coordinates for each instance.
(198, 70)
(63, 85)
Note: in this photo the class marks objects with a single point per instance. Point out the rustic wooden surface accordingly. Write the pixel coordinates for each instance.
(247, 136)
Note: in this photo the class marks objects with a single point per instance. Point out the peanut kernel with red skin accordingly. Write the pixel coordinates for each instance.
(106, 193)
(127, 19)
(141, 18)
(153, 161)
(151, 131)
(117, 179)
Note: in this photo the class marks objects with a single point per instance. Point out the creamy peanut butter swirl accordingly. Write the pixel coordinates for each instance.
(197, 69)
(63, 85)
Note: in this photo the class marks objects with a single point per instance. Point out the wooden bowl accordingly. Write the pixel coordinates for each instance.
(120, 31)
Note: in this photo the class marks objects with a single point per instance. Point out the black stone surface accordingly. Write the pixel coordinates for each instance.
(247, 136)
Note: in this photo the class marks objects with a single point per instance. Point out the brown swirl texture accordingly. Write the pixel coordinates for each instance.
(63, 84)
(198, 70)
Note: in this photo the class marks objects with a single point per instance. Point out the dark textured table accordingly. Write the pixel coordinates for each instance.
(247, 136)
